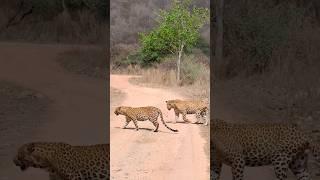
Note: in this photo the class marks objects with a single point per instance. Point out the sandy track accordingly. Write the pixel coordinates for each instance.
(145, 155)
(77, 114)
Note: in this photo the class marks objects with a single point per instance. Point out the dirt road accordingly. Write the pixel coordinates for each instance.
(77, 114)
(145, 155)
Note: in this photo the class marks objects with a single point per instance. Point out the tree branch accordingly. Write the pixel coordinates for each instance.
(11, 21)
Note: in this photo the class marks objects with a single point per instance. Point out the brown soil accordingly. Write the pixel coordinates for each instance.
(76, 113)
(22, 111)
(189, 92)
(154, 155)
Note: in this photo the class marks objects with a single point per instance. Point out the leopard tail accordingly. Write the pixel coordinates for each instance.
(174, 130)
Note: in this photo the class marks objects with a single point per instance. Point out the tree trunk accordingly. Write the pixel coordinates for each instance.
(24, 10)
(65, 12)
(179, 62)
(64, 5)
(219, 41)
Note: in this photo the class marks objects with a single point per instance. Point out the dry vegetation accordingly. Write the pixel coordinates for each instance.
(90, 61)
(279, 65)
(270, 70)
(195, 71)
(128, 18)
(47, 21)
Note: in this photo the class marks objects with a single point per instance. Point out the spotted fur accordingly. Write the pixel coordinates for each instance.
(136, 114)
(284, 146)
(197, 107)
(64, 161)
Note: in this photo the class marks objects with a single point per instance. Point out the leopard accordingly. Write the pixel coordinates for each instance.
(136, 114)
(198, 107)
(65, 162)
(284, 146)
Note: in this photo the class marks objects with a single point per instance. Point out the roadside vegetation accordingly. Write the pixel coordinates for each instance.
(272, 47)
(267, 66)
(85, 61)
(173, 53)
(54, 21)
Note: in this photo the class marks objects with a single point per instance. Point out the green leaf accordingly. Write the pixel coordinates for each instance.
(177, 25)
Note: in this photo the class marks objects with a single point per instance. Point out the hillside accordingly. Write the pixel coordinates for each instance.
(59, 21)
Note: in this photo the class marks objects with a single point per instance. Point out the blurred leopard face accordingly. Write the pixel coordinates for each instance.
(27, 157)
(23, 158)
(117, 111)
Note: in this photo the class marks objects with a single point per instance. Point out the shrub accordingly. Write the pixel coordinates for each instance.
(190, 70)
(253, 31)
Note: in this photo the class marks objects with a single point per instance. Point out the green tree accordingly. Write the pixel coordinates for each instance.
(178, 29)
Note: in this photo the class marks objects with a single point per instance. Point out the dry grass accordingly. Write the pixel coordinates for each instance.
(85, 61)
(62, 29)
(157, 78)
(195, 86)
(130, 70)
(195, 71)
(116, 97)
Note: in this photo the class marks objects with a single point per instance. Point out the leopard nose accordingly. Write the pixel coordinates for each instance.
(23, 167)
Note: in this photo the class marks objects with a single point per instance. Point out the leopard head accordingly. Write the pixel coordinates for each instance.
(117, 111)
(28, 156)
(170, 103)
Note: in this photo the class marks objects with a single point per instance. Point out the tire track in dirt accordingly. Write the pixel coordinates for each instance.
(145, 155)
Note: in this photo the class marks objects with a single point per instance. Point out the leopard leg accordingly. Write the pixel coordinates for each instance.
(184, 117)
(204, 117)
(135, 121)
(281, 163)
(127, 122)
(215, 170)
(176, 116)
(198, 116)
(237, 168)
(216, 164)
(299, 167)
(156, 124)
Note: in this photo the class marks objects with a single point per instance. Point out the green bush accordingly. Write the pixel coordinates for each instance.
(178, 29)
